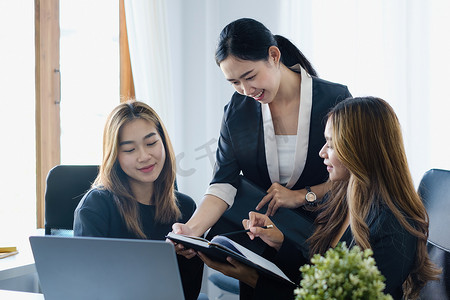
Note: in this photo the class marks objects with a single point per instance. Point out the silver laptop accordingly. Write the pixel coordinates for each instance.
(103, 268)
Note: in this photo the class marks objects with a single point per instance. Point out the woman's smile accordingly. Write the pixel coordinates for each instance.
(259, 96)
(147, 169)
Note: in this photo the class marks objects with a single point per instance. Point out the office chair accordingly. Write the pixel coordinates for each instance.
(434, 189)
(66, 185)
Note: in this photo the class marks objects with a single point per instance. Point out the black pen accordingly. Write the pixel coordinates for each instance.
(244, 230)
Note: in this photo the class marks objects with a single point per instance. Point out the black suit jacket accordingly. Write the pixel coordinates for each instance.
(241, 143)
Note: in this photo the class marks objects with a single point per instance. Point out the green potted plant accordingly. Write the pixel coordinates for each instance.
(342, 274)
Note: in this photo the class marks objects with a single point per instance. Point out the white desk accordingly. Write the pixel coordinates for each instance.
(17, 272)
(14, 295)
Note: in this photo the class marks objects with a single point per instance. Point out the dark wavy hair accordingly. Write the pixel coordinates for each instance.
(248, 39)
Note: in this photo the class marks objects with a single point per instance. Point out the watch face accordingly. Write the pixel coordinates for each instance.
(310, 197)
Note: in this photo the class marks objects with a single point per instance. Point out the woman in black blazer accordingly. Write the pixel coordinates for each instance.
(372, 204)
(272, 127)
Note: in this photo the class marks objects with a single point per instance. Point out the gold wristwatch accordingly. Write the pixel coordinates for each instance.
(310, 196)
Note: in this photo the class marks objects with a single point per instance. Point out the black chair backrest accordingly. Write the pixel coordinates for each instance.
(434, 189)
(66, 185)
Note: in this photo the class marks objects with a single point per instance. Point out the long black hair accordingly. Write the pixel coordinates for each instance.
(248, 39)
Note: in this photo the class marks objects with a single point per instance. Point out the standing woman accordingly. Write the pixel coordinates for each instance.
(272, 128)
(133, 195)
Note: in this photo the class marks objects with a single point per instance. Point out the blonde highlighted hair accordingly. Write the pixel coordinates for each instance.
(112, 178)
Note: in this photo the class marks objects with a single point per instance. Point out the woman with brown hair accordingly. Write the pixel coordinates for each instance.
(134, 195)
(372, 204)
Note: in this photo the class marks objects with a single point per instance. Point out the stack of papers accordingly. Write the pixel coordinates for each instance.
(7, 251)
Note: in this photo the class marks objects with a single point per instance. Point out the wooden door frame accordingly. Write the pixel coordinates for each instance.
(126, 76)
(48, 154)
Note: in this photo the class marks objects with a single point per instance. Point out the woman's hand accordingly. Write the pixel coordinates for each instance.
(271, 236)
(279, 196)
(180, 228)
(234, 269)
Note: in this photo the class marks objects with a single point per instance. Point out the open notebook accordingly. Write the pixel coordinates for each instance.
(247, 197)
(104, 268)
(220, 247)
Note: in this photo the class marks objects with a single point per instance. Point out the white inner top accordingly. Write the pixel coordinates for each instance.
(286, 153)
(302, 141)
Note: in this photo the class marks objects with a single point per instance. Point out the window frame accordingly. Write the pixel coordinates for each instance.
(48, 90)
(48, 155)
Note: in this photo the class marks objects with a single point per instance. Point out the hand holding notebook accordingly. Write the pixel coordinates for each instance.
(220, 247)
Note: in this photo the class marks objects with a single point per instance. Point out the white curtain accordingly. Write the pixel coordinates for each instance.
(395, 50)
(149, 52)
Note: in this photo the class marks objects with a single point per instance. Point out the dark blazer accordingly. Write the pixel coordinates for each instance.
(394, 251)
(241, 143)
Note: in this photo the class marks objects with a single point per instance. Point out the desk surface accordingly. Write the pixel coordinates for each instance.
(13, 295)
(21, 263)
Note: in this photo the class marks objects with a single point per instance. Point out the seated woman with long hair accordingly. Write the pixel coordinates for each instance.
(372, 204)
(133, 195)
